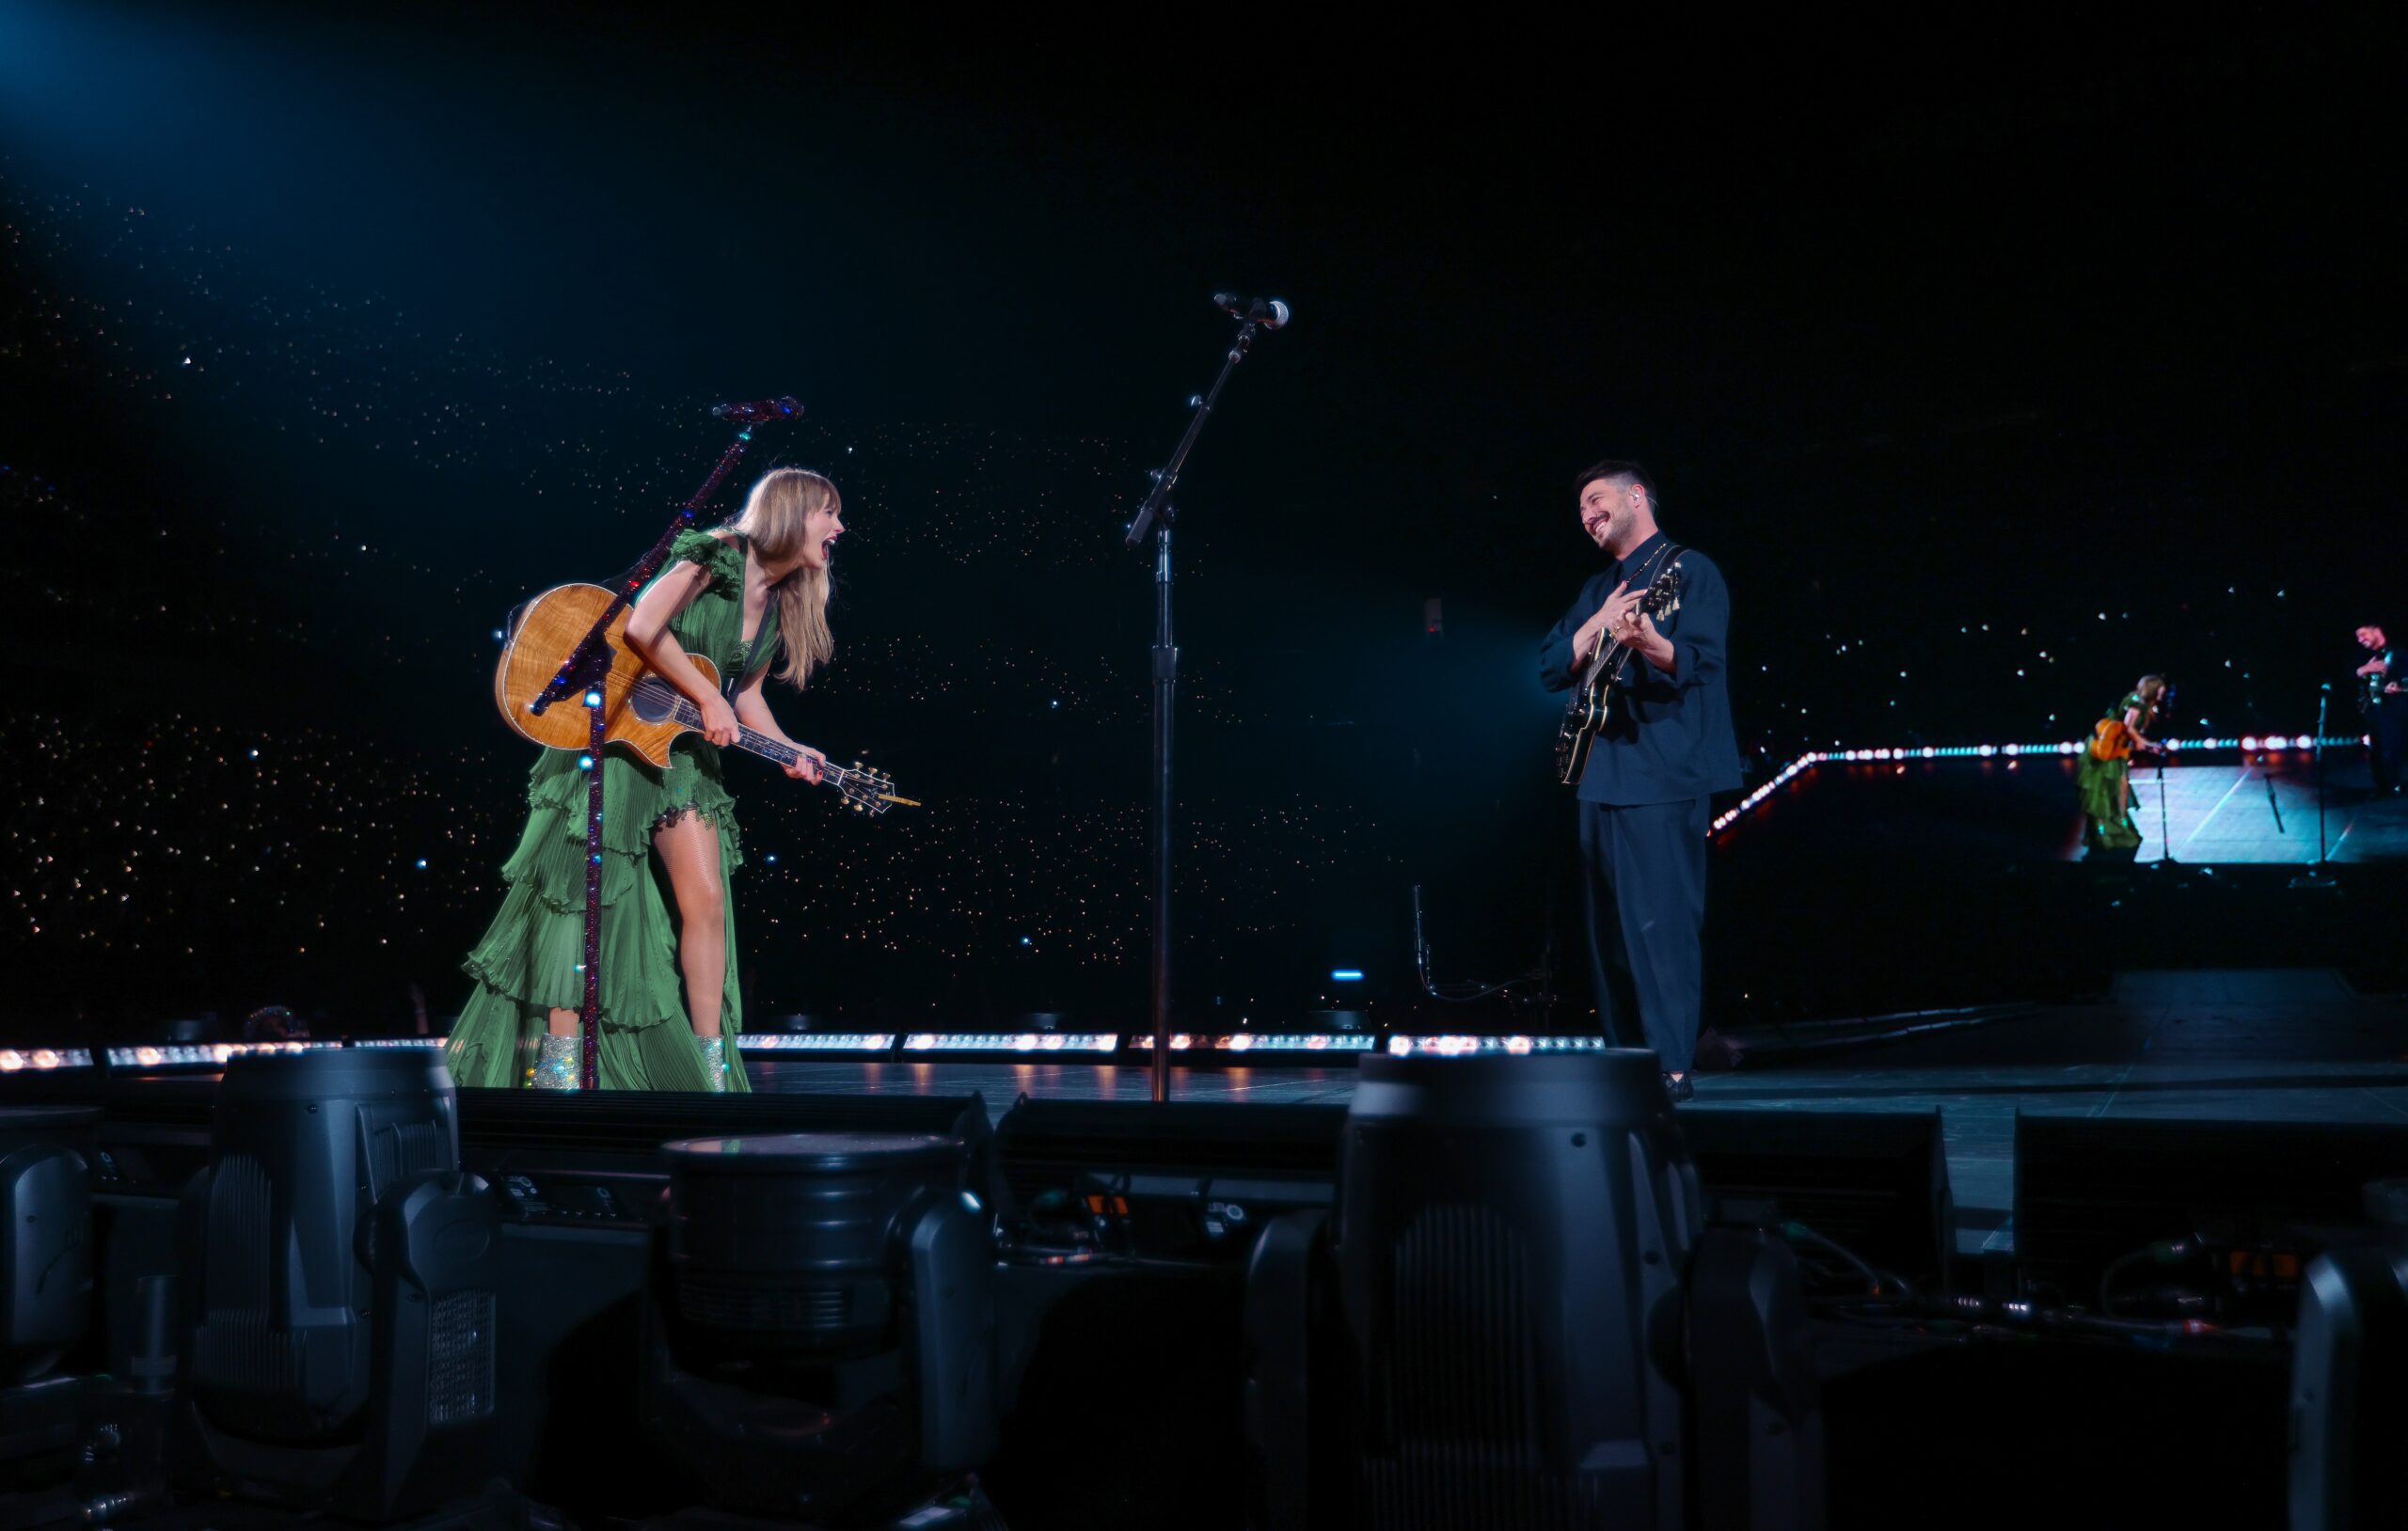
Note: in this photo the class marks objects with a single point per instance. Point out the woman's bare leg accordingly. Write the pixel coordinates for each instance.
(688, 847)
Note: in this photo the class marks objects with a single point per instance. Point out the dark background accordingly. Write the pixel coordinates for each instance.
(1995, 368)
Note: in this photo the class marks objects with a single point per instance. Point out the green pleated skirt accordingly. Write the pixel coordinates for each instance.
(2106, 806)
(530, 961)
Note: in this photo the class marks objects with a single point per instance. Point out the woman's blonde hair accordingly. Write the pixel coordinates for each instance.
(776, 515)
(2150, 687)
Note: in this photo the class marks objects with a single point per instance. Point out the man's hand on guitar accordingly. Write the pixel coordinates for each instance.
(1584, 642)
(807, 762)
(1620, 609)
(718, 721)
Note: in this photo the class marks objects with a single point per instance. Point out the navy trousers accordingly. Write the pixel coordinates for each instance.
(1643, 871)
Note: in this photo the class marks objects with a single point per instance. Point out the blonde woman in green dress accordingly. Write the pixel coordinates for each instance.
(750, 596)
(2103, 785)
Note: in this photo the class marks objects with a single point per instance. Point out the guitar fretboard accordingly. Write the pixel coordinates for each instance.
(682, 708)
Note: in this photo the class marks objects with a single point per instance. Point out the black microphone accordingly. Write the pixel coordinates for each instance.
(1270, 313)
(767, 409)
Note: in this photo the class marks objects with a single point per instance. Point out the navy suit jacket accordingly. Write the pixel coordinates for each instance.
(1667, 738)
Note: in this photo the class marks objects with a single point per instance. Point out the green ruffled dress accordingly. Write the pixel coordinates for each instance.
(2108, 824)
(527, 964)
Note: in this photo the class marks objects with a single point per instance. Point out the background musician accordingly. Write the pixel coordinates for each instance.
(2380, 697)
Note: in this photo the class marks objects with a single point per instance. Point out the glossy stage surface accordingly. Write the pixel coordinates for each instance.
(2220, 807)
(2289, 1045)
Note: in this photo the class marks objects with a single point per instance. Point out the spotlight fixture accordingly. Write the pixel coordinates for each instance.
(340, 1278)
(820, 1327)
(1515, 1317)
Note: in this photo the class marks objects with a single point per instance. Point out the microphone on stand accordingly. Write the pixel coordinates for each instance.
(754, 414)
(1271, 313)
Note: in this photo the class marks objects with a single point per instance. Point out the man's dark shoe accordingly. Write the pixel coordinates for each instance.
(1679, 1087)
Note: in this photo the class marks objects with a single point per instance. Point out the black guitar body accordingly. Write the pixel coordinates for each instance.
(1584, 716)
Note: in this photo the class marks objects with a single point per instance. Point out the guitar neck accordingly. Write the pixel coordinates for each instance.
(831, 774)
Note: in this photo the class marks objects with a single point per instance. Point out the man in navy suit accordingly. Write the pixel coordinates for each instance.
(1666, 747)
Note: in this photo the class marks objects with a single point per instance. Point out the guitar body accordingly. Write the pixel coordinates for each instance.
(548, 631)
(1584, 716)
(1581, 721)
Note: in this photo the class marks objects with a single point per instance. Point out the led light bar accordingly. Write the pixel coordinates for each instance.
(1463, 1046)
(1028, 1042)
(395, 1042)
(818, 1042)
(2253, 743)
(204, 1054)
(18, 1060)
(1266, 1042)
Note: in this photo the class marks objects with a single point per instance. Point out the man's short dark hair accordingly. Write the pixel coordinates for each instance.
(1617, 468)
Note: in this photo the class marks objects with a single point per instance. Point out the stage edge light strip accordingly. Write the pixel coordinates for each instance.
(2252, 743)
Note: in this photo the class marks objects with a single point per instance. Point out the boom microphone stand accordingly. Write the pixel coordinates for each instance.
(2318, 878)
(2164, 838)
(1156, 512)
(586, 669)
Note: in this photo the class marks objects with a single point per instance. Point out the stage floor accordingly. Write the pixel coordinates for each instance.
(1997, 811)
(2222, 814)
(2288, 1045)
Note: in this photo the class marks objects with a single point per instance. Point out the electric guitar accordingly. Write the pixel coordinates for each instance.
(640, 708)
(1584, 716)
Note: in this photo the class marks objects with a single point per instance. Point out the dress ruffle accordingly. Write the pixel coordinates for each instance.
(718, 555)
(529, 962)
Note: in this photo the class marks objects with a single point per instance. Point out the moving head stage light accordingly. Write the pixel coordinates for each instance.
(1517, 1318)
(820, 1331)
(45, 1242)
(340, 1276)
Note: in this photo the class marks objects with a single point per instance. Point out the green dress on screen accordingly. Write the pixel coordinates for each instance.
(2100, 786)
(528, 962)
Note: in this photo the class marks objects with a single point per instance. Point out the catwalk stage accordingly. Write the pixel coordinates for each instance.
(2224, 807)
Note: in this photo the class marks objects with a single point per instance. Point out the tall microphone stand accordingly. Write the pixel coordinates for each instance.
(1156, 513)
(2164, 840)
(587, 669)
(2318, 878)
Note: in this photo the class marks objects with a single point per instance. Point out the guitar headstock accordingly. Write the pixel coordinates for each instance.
(866, 789)
(1664, 591)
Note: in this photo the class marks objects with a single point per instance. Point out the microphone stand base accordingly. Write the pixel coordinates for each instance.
(2315, 880)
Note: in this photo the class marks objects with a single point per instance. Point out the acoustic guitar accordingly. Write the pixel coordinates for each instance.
(1584, 716)
(640, 708)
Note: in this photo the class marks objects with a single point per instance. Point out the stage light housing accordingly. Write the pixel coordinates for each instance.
(2350, 1377)
(46, 1241)
(1516, 1317)
(842, 1283)
(341, 1285)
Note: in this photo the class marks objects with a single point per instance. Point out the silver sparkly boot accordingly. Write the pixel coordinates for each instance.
(559, 1064)
(714, 1051)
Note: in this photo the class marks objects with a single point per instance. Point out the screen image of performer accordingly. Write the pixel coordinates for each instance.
(2102, 784)
(2382, 698)
(1666, 747)
(749, 596)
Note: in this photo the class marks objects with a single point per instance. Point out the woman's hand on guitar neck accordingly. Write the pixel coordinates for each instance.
(719, 719)
(807, 762)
